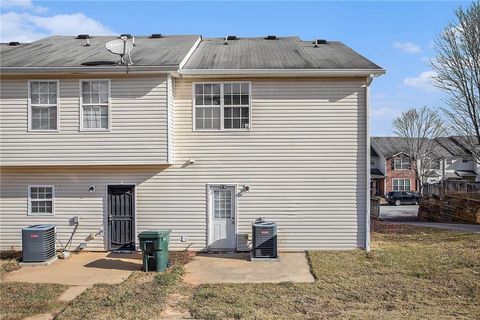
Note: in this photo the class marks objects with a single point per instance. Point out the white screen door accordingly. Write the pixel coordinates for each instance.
(222, 218)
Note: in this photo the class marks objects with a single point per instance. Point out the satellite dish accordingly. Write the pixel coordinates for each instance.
(121, 47)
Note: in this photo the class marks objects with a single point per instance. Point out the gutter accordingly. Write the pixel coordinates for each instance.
(86, 69)
(284, 72)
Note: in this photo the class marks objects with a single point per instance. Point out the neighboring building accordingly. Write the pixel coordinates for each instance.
(200, 137)
(393, 164)
(392, 169)
(458, 164)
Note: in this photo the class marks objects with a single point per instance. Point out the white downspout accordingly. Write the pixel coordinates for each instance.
(367, 133)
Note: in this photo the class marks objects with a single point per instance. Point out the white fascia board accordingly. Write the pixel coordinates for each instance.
(286, 72)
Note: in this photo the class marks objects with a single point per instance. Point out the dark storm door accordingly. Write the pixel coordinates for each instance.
(121, 220)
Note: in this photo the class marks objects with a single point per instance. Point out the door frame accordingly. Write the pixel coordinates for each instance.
(209, 206)
(106, 231)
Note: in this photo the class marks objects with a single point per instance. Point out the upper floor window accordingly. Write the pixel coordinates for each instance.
(401, 164)
(43, 109)
(219, 106)
(95, 100)
(41, 200)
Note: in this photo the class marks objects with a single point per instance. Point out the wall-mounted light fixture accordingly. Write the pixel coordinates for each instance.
(91, 188)
(246, 188)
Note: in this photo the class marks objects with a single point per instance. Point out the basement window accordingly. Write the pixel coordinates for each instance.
(41, 200)
(222, 106)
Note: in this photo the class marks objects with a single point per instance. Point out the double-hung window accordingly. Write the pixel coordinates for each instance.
(43, 113)
(95, 100)
(401, 184)
(41, 200)
(401, 164)
(222, 106)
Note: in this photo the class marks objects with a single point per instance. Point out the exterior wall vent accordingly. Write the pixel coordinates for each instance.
(271, 37)
(14, 43)
(264, 243)
(83, 36)
(38, 243)
(156, 36)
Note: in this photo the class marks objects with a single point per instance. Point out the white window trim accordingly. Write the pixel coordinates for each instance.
(221, 106)
(29, 106)
(403, 179)
(109, 128)
(401, 159)
(29, 212)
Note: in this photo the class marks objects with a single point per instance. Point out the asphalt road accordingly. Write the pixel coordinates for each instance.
(405, 212)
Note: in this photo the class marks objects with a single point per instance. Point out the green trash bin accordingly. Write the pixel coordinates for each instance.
(154, 246)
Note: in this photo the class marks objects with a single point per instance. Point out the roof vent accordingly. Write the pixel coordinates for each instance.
(319, 41)
(231, 38)
(14, 43)
(128, 35)
(156, 36)
(271, 38)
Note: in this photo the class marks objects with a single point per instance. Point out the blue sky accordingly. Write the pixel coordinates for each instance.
(396, 35)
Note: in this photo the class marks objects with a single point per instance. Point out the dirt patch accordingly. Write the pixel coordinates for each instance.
(181, 257)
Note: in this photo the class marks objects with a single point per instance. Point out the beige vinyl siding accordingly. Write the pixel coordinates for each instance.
(304, 160)
(138, 126)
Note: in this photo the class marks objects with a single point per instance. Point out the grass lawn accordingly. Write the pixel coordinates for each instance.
(411, 273)
(20, 300)
(142, 296)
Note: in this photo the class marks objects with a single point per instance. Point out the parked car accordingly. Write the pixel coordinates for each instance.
(402, 197)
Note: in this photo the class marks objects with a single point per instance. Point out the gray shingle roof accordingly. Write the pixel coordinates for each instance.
(245, 53)
(390, 146)
(67, 51)
(283, 53)
(453, 147)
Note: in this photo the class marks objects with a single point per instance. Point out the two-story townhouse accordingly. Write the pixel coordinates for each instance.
(394, 163)
(457, 163)
(201, 136)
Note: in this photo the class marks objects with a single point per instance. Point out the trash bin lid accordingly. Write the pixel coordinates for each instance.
(153, 234)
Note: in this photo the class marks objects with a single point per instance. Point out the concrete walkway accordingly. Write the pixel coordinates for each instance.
(82, 269)
(236, 268)
(475, 228)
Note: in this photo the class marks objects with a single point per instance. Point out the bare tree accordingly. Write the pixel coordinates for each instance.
(419, 128)
(457, 64)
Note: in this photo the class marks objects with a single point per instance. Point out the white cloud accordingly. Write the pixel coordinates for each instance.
(22, 4)
(407, 46)
(383, 112)
(423, 81)
(26, 27)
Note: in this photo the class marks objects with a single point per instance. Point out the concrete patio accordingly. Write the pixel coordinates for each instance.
(237, 268)
(82, 269)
